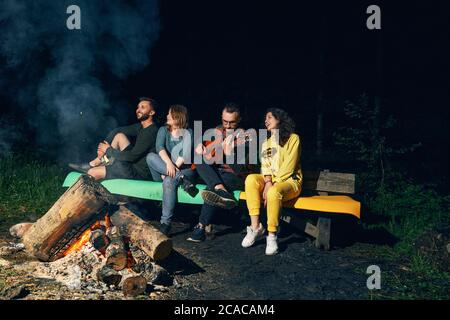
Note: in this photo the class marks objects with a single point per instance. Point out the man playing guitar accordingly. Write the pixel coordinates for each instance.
(220, 178)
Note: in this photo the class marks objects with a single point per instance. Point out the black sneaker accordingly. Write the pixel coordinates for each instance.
(219, 198)
(165, 229)
(81, 167)
(189, 187)
(198, 235)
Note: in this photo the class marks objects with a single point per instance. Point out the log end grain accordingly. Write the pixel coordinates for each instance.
(134, 286)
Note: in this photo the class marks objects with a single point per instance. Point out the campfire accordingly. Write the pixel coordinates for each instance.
(87, 239)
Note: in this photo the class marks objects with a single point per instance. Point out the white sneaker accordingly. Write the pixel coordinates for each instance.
(252, 235)
(272, 245)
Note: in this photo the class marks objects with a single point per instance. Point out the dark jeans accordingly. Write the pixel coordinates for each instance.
(212, 177)
(170, 185)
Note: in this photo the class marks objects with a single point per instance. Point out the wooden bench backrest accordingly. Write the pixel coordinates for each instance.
(326, 181)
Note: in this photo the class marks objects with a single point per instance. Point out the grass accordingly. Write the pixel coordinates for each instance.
(28, 186)
(428, 285)
(412, 212)
(406, 273)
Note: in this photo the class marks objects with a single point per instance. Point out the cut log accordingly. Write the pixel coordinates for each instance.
(116, 253)
(18, 230)
(142, 234)
(99, 240)
(67, 219)
(134, 286)
(109, 276)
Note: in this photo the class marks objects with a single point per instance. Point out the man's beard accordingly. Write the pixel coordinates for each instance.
(143, 116)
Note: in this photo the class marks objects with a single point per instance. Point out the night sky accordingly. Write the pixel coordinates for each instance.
(267, 54)
(263, 54)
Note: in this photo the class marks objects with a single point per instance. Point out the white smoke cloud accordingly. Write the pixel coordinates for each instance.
(53, 72)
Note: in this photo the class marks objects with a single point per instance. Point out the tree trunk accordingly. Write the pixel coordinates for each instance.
(71, 215)
(142, 234)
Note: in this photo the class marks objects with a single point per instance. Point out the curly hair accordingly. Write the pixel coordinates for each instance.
(286, 126)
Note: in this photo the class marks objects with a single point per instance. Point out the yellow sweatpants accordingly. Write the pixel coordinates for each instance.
(279, 192)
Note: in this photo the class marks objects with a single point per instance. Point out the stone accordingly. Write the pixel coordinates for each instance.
(16, 292)
(12, 248)
(18, 230)
(160, 276)
(4, 263)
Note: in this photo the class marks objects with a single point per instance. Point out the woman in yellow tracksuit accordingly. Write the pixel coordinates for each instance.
(280, 179)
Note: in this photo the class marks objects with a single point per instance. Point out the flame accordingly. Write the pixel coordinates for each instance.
(79, 243)
(85, 236)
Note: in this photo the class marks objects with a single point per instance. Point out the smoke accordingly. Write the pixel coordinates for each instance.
(56, 76)
(9, 135)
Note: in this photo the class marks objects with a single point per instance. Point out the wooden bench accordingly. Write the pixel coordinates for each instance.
(332, 201)
(324, 193)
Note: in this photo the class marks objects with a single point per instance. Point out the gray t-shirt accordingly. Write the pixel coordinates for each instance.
(175, 147)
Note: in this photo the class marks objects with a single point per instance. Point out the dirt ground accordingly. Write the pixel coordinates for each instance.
(219, 268)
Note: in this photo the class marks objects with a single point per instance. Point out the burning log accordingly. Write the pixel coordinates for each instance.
(142, 234)
(70, 216)
(134, 286)
(99, 240)
(116, 253)
(109, 276)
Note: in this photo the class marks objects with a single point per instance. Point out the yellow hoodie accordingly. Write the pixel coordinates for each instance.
(282, 162)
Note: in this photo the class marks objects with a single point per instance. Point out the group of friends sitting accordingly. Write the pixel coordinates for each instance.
(144, 151)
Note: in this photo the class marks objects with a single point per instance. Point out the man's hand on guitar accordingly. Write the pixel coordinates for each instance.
(200, 149)
(228, 145)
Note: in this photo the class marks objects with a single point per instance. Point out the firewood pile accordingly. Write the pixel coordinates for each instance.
(88, 241)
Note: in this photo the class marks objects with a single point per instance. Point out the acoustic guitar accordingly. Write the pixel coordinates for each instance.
(240, 139)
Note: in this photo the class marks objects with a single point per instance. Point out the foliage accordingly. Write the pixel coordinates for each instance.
(406, 209)
(410, 208)
(365, 137)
